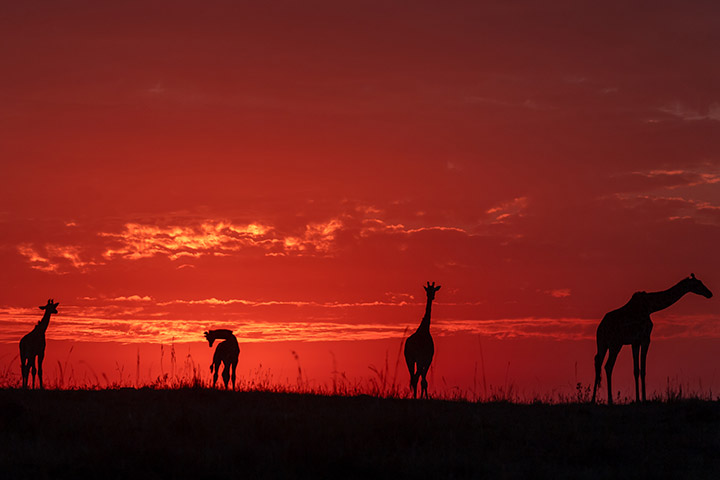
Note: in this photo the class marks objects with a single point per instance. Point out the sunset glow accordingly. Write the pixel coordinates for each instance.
(296, 173)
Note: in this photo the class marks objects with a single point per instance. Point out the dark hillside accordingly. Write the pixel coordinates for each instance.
(213, 434)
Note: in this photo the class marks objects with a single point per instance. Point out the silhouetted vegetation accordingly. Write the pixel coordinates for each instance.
(208, 433)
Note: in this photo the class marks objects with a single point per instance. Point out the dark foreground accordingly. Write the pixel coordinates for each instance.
(213, 434)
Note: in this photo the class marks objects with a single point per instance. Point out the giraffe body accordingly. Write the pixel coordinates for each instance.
(32, 347)
(419, 347)
(226, 352)
(631, 325)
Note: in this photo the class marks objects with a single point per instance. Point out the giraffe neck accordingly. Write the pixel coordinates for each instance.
(425, 323)
(42, 325)
(661, 300)
(224, 335)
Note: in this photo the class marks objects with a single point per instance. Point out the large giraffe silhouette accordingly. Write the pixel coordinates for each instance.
(32, 346)
(419, 347)
(631, 325)
(226, 352)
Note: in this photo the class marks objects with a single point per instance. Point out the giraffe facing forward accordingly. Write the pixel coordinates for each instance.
(32, 346)
(419, 347)
(631, 325)
(226, 352)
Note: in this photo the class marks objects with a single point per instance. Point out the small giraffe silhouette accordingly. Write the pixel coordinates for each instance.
(33, 345)
(631, 325)
(419, 347)
(226, 352)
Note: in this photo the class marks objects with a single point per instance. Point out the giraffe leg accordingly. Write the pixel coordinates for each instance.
(413, 376)
(33, 370)
(612, 356)
(226, 374)
(25, 371)
(643, 362)
(422, 372)
(215, 373)
(636, 368)
(40, 359)
(232, 375)
(598, 369)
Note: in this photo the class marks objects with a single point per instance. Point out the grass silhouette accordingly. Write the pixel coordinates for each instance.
(175, 424)
(188, 431)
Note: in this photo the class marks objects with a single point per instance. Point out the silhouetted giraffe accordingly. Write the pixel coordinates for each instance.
(33, 345)
(226, 352)
(419, 347)
(631, 325)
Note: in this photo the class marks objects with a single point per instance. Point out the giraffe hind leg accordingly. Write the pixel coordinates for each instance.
(423, 383)
(232, 374)
(598, 369)
(25, 371)
(33, 370)
(413, 375)
(636, 369)
(643, 362)
(40, 359)
(612, 356)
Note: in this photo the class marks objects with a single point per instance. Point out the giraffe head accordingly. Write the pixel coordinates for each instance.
(697, 287)
(209, 338)
(51, 307)
(430, 289)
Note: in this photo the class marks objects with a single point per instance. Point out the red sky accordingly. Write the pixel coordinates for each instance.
(296, 171)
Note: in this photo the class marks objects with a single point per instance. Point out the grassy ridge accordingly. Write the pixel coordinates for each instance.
(210, 434)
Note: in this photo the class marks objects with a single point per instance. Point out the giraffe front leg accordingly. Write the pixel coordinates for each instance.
(226, 375)
(33, 371)
(215, 374)
(636, 368)
(643, 362)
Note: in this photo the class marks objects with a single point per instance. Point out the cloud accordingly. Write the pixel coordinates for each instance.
(503, 212)
(130, 298)
(559, 292)
(674, 208)
(54, 258)
(375, 226)
(668, 179)
(209, 238)
(683, 112)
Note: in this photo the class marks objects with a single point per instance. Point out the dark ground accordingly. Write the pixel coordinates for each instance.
(214, 434)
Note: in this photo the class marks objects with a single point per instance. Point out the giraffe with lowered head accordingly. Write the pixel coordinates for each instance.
(419, 347)
(631, 325)
(226, 352)
(32, 346)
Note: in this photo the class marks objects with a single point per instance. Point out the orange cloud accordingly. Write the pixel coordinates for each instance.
(54, 258)
(216, 238)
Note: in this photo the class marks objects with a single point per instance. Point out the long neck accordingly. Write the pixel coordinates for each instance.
(224, 334)
(44, 322)
(661, 300)
(425, 323)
